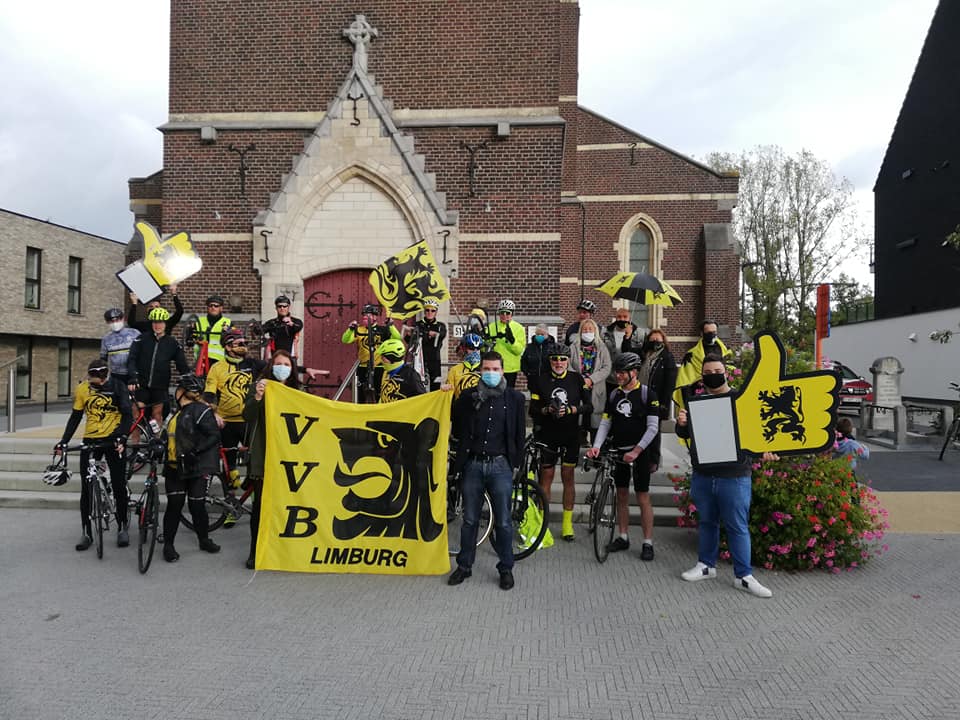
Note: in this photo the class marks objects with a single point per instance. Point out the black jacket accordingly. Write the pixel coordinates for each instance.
(282, 334)
(149, 361)
(663, 380)
(464, 427)
(198, 440)
(535, 360)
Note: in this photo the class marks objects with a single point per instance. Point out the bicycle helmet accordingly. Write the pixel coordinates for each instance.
(559, 349)
(589, 305)
(215, 299)
(371, 309)
(191, 383)
(472, 341)
(56, 474)
(626, 361)
(391, 350)
(231, 335)
(282, 300)
(506, 306)
(158, 315)
(113, 314)
(98, 368)
(431, 303)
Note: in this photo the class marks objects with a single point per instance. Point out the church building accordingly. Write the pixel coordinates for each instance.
(307, 141)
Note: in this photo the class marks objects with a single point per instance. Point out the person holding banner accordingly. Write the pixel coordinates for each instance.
(278, 369)
(722, 494)
(490, 422)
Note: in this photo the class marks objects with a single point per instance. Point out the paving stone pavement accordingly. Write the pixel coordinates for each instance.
(206, 639)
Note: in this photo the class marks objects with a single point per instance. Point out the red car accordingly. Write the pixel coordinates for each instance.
(855, 390)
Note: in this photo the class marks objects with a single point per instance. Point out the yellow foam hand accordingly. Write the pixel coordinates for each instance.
(171, 260)
(785, 414)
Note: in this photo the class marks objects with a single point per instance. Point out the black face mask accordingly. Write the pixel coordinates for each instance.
(651, 345)
(621, 324)
(709, 338)
(714, 380)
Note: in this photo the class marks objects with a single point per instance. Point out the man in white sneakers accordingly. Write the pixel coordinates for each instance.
(722, 493)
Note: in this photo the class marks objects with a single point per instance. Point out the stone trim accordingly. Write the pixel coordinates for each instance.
(576, 281)
(685, 283)
(221, 237)
(614, 146)
(567, 98)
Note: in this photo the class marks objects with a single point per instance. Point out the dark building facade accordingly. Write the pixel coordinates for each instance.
(917, 194)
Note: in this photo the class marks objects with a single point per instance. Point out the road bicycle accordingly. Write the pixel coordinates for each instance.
(102, 503)
(952, 436)
(602, 499)
(220, 500)
(147, 506)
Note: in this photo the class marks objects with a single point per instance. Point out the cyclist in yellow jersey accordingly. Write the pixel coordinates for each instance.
(105, 402)
(367, 335)
(466, 374)
(210, 328)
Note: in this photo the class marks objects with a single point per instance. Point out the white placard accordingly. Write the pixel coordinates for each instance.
(139, 281)
(714, 431)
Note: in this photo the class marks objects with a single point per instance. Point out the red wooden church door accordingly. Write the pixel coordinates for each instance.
(331, 302)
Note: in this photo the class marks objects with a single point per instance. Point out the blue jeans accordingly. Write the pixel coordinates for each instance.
(727, 500)
(496, 477)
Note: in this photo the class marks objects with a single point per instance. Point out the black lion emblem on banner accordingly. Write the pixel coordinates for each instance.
(403, 510)
(782, 412)
(405, 283)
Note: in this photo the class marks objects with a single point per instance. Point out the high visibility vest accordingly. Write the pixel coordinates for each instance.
(212, 335)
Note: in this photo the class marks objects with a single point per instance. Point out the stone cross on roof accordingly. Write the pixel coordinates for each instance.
(360, 34)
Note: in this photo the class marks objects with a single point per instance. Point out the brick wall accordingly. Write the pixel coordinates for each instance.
(263, 56)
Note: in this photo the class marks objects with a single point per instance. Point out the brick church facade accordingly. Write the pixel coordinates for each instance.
(306, 143)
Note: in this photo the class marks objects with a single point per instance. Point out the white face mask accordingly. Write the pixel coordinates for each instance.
(116, 325)
(588, 337)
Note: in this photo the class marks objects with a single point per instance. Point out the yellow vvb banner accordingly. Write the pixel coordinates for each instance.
(354, 488)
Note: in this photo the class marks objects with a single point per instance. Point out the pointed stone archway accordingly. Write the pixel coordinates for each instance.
(357, 195)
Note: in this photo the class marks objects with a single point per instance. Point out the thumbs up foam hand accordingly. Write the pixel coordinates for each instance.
(785, 414)
(171, 260)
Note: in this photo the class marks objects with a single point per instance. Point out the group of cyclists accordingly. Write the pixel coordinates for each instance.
(594, 385)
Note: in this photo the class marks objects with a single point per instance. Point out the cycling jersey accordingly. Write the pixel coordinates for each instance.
(359, 336)
(106, 407)
(149, 361)
(402, 383)
(115, 348)
(282, 335)
(555, 391)
(509, 339)
(463, 376)
(227, 386)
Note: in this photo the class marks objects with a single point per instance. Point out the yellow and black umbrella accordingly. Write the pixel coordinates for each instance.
(641, 288)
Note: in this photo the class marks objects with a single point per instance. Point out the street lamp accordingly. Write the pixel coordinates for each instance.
(743, 291)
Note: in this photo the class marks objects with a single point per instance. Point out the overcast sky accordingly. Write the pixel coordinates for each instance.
(84, 86)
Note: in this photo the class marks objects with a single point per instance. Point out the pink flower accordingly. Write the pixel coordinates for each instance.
(811, 542)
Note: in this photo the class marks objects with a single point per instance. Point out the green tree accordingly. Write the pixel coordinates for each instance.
(849, 300)
(796, 225)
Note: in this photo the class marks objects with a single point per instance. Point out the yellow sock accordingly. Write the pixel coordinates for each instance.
(566, 527)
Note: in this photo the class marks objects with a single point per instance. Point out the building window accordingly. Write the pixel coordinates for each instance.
(24, 364)
(73, 285)
(640, 244)
(63, 368)
(31, 291)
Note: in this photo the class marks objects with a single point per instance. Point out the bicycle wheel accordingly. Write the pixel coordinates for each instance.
(96, 513)
(455, 520)
(604, 519)
(216, 505)
(951, 436)
(591, 500)
(529, 501)
(149, 513)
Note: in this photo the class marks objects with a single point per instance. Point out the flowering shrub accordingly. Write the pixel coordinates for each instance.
(807, 512)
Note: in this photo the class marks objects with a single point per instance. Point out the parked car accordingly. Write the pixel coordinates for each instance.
(855, 390)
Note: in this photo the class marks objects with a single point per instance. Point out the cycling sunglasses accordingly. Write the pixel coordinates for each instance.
(558, 358)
